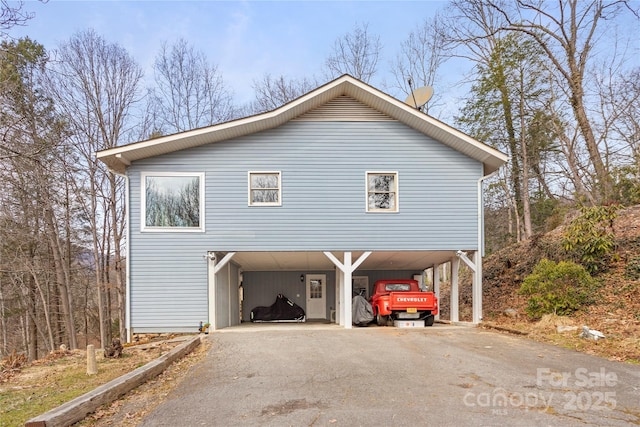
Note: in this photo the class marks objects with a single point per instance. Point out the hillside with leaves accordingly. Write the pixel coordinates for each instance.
(615, 310)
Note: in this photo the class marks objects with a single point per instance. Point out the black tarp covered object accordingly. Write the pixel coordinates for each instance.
(361, 311)
(283, 310)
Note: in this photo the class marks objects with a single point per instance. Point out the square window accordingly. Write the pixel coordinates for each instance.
(382, 192)
(264, 189)
(172, 201)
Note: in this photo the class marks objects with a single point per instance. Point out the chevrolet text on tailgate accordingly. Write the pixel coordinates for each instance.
(402, 299)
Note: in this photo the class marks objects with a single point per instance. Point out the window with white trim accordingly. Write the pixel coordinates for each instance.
(265, 189)
(382, 192)
(172, 201)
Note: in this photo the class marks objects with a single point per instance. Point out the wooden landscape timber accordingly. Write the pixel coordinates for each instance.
(78, 408)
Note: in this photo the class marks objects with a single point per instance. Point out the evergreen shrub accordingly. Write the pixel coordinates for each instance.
(558, 288)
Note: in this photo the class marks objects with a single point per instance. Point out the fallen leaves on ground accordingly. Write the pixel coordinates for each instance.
(616, 312)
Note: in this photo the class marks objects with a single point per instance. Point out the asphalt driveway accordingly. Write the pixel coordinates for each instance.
(323, 375)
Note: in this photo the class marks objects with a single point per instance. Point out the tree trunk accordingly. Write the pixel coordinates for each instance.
(514, 215)
(574, 171)
(3, 322)
(106, 269)
(46, 311)
(67, 267)
(542, 180)
(31, 328)
(526, 202)
(511, 136)
(61, 279)
(603, 178)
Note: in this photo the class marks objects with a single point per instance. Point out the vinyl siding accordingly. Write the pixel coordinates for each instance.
(323, 169)
(323, 165)
(168, 288)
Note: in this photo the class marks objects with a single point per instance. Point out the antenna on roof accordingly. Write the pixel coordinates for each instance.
(418, 97)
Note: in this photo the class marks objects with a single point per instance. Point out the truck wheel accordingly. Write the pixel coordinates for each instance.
(428, 321)
(382, 320)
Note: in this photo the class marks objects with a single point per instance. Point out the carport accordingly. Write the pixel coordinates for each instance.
(224, 280)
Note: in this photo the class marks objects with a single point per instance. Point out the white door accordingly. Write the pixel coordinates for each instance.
(316, 296)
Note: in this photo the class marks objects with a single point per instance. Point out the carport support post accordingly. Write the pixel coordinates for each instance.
(455, 299)
(211, 289)
(476, 286)
(339, 311)
(212, 270)
(347, 291)
(436, 285)
(346, 268)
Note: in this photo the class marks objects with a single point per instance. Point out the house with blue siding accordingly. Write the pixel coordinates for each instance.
(314, 200)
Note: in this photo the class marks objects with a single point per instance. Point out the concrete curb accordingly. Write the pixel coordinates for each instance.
(78, 408)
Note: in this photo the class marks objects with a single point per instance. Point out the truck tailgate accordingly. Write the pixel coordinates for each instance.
(410, 300)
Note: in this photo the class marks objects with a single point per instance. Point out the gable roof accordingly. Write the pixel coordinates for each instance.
(118, 158)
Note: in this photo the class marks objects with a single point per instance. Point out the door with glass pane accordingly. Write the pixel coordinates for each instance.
(316, 296)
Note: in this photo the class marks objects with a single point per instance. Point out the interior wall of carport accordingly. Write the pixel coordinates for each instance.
(260, 288)
(227, 298)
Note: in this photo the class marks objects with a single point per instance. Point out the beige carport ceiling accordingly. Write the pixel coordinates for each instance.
(317, 261)
(118, 158)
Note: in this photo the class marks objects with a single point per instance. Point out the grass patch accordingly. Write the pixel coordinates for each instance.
(48, 384)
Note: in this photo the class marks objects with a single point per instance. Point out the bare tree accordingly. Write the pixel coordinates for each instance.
(96, 85)
(355, 53)
(189, 92)
(568, 33)
(12, 14)
(272, 92)
(31, 233)
(619, 108)
(420, 58)
(619, 129)
(470, 31)
(626, 106)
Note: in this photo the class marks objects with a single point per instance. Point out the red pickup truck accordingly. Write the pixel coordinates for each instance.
(402, 299)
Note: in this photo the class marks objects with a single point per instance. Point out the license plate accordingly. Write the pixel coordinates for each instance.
(412, 310)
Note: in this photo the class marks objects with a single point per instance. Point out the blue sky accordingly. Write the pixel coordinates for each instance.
(246, 39)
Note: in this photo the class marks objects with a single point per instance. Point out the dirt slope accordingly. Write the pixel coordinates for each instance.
(617, 313)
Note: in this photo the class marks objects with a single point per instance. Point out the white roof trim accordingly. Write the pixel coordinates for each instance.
(119, 158)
